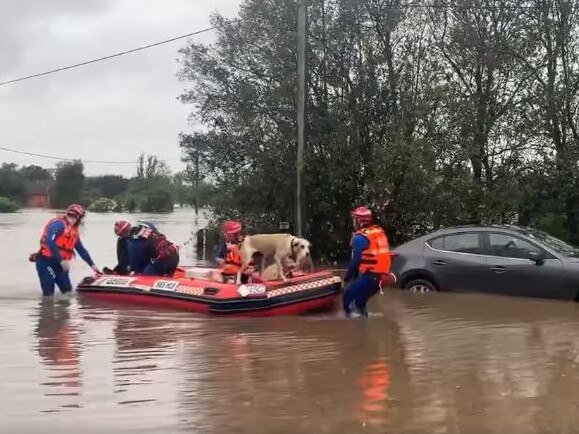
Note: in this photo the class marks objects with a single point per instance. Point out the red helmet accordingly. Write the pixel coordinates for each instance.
(362, 214)
(231, 227)
(122, 228)
(75, 210)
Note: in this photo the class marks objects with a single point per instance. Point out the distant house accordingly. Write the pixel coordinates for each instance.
(38, 195)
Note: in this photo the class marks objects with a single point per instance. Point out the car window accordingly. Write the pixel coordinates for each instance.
(509, 246)
(461, 243)
(556, 244)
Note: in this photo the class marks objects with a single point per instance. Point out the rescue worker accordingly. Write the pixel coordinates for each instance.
(228, 255)
(369, 267)
(122, 230)
(150, 252)
(59, 239)
(138, 252)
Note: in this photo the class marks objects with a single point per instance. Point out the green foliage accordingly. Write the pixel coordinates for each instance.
(15, 182)
(131, 203)
(431, 125)
(103, 204)
(553, 224)
(150, 167)
(110, 186)
(69, 181)
(35, 173)
(153, 188)
(158, 199)
(12, 183)
(7, 206)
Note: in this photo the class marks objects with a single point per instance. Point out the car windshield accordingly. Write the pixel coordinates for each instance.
(556, 244)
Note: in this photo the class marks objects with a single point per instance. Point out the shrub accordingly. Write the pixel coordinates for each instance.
(156, 200)
(103, 204)
(6, 205)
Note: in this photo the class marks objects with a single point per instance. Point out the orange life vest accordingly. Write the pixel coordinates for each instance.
(65, 241)
(376, 258)
(232, 262)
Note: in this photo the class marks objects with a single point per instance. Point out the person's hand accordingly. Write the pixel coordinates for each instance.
(65, 266)
(96, 269)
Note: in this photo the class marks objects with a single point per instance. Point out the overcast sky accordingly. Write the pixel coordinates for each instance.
(111, 110)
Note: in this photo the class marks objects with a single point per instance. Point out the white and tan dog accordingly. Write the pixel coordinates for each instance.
(280, 247)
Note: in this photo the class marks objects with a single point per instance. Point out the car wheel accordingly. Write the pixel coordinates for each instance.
(420, 285)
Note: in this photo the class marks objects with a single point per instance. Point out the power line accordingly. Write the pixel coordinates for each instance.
(52, 157)
(166, 41)
(100, 59)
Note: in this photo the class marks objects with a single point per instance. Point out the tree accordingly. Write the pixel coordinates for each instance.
(109, 186)
(153, 185)
(196, 155)
(363, 106)
(7, 206)
(433, 116)
(554, 66)
(69, 182)
(35, 173)
(486, 83)
(12, 184)
(156, 200)
(150, 166)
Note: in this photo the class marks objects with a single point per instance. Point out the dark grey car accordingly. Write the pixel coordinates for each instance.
(506, 260)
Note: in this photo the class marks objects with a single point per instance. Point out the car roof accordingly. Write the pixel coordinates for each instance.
(525, 231)
(513, 228)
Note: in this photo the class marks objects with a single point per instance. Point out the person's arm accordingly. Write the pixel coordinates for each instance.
(54, 230)
(122, 266)
(83, 253)
(359, 243)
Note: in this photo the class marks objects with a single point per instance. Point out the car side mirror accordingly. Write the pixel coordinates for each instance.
(537, 257)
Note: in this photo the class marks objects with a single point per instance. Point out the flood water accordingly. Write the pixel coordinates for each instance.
(435, 363)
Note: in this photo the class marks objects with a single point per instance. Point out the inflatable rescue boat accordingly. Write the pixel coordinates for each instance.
(192, 289)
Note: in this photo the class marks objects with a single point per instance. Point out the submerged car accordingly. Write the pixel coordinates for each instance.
(507, 260)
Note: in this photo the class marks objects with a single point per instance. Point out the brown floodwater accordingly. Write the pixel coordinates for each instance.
(435, 363)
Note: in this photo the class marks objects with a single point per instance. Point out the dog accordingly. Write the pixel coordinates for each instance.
(276, 246)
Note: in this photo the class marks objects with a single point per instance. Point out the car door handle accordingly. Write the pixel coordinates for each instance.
(499, 269)
(439, 262)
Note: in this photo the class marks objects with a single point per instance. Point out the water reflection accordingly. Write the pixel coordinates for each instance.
(374, 383)
(283, 375)
(489, 364)
(58, 348)
(247, 375)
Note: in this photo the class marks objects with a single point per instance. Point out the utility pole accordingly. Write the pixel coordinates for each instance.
(300, 109)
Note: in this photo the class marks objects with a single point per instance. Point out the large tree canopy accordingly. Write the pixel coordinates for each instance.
(432, 115)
